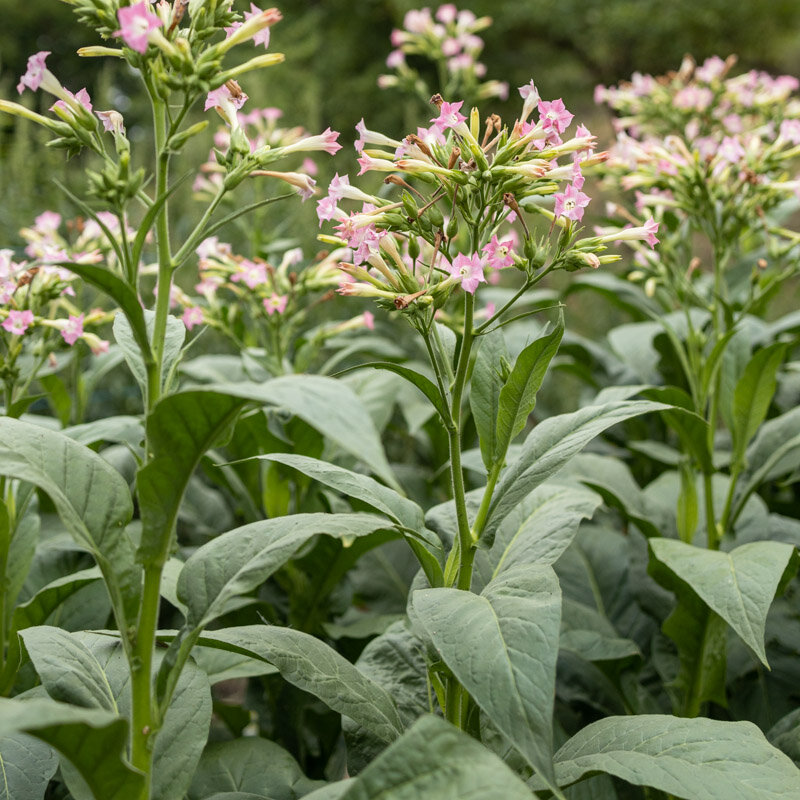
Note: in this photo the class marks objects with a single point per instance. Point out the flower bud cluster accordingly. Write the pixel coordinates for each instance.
(449, 38)
(457, 193)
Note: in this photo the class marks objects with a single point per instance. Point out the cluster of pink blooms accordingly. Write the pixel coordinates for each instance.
(450, 37)
(400, 252)
(37, 293)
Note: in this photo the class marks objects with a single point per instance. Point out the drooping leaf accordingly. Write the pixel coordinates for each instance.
(484, 393)
(121, 429)
(435, 760)
(739, 586)
(91, 739)
(249, 765)
(551, 444)
(91, 498)
(502, 646)
(518, 395)
(311, 665)
(542, 526)
(694, 759)
(330, 407)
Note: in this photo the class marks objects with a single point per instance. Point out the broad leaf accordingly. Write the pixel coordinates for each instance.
(518, 395)
(329, 406)
(26, 767)
(309, 664)
(122, 429)
(91, 739)
(542, 526)
(739, 586)
(484, 392)
(694, 759)
(435, 760)
(753, 394)
(91, 498)
(502, 647)
(180, 429)
(551, 444)
(249, 765)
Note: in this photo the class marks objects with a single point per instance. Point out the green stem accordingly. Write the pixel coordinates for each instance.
(488, 492)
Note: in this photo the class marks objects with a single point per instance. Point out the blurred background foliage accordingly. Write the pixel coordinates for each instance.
(336, 49)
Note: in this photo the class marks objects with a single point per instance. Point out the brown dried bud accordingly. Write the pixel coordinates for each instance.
(455, 154)
(234, 89)
(762, 263)
(178, 10)
(437, 100)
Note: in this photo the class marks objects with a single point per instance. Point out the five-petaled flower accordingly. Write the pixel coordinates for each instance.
(17, 322)
(192, 315)
(570, 203)
(135, 24)
(448, 116)
(35, 73)
(498, 254)
(468, 270)
(275, 303)
(73, 329)
(554, 115)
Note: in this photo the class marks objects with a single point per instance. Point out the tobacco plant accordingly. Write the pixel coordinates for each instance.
(456, 698)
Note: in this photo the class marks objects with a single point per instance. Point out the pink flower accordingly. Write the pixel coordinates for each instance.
(326, 209)
(650, 230)
(554, 115)
(252, 273)
(35, 73)
(212, 247)
(369, 320)
(448, 116)
(112, 121)
(218, 98)
(498, 254)
(192, 315)
(570, 203)
(790, 129)
(81, 98)
(309, 166)
(262, 36)
(7, 289)
(73, 330)
(17, 322)
(275, 303)
(323, 141)
(468, 270)
(135, 23)
(47, 223)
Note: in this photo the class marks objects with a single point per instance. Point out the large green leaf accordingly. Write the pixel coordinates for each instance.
(753, 394)
(739, 586)
(551, 444)
(238, 561)
(406, 513)
(26, 767)
(180, 429)
(329, 406)
(435, 761)
(91, 670)
(502, 646)
(694, 759)
(250, 765)
(542, 526)
(93, 741)
(90, 496)
(484, 392)
(314, 667)
(518, 395)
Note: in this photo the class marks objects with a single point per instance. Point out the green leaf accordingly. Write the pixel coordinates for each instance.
(626, 295)
(424, 384)
(180, 429)
(123, 295)
(753, 394)
(240, 560)
(406, 513)
(502, 646)
(26, 767)
(518, 395)
(694, 759)
(435, 761)
(330, 407)
(739, 586)
(542, 526)
(251, 765)
(128, 341)
(91, 498)
(484, 393)
(551, 444)
(308, 663)
(121, 429)
(91, 739)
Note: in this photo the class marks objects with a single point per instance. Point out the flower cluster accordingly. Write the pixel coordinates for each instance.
(706, 151)
(449, 38)
(460, 192)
